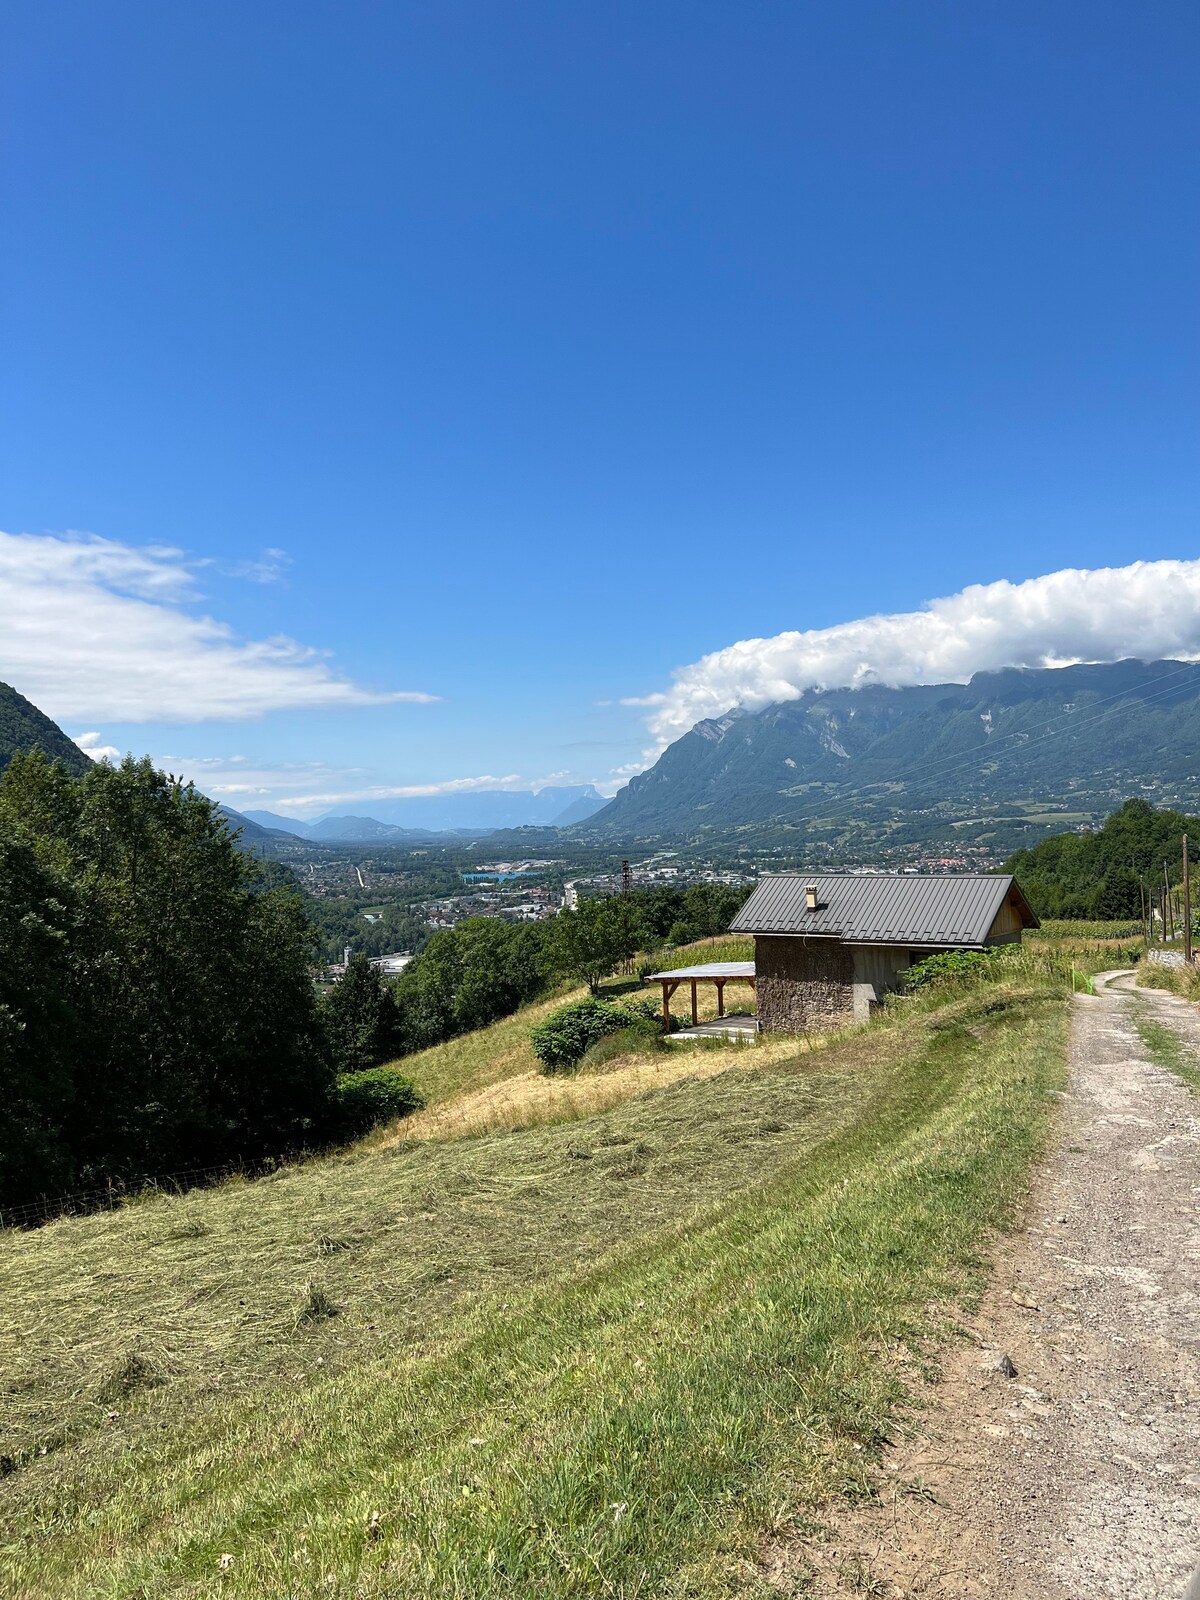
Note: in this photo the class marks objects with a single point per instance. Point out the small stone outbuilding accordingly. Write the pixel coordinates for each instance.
(827, 949)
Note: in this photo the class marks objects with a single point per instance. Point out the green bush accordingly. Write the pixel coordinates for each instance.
(644, 1006)
(643, 1038)
(951, 964)
(365, 1099)
(560, 1042)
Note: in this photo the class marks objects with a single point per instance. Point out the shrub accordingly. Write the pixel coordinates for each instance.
(365, 1099)
(644, 1006)
(560, 1041)
(949, 966)
(643, 1038)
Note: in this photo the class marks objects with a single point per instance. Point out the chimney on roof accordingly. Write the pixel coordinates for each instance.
(810, 896)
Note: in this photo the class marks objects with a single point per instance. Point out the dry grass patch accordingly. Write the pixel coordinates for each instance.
(474, 1062)
(533, 1100)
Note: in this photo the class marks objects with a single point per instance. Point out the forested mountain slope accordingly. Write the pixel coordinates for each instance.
(1086, 736)
(24, 727)
(1105, 873)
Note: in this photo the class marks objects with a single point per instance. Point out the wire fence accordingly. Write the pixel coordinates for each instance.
(117, 1192)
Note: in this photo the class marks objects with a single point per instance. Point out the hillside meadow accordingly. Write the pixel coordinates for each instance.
(491, 1079)
(605, 1356)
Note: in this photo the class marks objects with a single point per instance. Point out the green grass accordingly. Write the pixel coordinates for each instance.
(602, 1359)
(1167, 1049)
(476, 1060)
(727, 947)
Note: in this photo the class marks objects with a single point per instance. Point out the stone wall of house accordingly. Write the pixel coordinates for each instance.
(802, 985)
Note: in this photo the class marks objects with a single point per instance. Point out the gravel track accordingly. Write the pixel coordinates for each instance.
(1079, 1477)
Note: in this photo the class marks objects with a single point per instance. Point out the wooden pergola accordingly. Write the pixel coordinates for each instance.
(716, 972)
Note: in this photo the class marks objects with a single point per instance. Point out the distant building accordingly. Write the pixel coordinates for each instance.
(391, 965)
(827, 949)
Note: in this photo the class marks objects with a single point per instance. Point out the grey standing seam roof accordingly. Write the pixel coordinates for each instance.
(883, 908)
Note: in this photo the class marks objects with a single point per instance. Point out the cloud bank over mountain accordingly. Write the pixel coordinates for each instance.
(99, 630)
(1149, 610)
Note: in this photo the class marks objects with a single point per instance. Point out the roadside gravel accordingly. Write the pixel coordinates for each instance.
(1079, 1477)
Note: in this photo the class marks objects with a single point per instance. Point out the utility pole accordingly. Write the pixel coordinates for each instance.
(1168, 923)
(626, 886)
(1187, 906)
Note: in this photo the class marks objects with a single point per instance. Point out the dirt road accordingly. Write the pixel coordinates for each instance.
(1079, 1477)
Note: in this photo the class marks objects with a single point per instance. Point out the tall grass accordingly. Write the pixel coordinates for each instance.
(1183, 981)
(1064, 929)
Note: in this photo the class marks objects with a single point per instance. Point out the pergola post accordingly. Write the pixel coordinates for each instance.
(718, 973)
(668, 988)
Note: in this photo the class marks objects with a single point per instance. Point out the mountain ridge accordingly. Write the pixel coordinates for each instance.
(24, 727)
(1085, 734)
(479, 811)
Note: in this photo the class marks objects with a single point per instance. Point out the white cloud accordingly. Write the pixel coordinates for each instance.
(310, 787)
(1149, 610)
(269, 567)
(406, 791)
(97, 629)
(92, 745)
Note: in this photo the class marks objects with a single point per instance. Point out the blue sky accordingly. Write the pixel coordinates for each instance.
(518, 356)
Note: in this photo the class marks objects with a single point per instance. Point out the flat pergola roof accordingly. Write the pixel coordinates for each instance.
(714, 969)
(718, 972)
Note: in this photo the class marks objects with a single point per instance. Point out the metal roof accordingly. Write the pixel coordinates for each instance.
(714, 969)
(881, 908)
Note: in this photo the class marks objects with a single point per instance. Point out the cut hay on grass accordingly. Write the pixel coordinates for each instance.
(535, 1100)
(598, 1359)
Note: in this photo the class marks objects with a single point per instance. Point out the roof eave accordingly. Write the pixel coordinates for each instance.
(909, 942)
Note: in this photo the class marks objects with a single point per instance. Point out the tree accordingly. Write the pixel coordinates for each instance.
(1119, 896)
(501, 966)
(1096, 873)
(196, 1034)
(361, 1021)
(37, 1027)
(469, 976)
(588, 942)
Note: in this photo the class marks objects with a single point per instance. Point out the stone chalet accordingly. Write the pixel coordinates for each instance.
(827, 949)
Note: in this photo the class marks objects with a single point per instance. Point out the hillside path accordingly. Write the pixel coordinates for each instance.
(1079, 1478)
